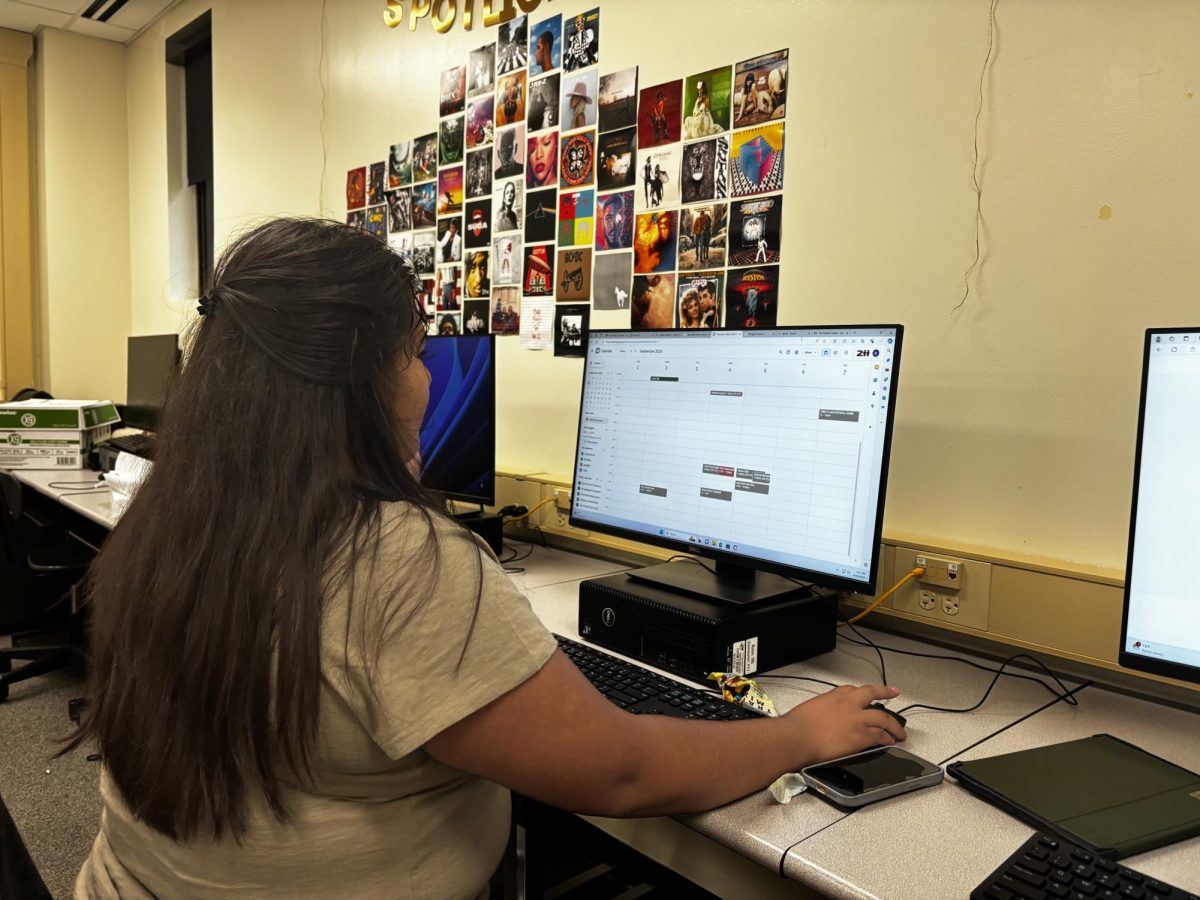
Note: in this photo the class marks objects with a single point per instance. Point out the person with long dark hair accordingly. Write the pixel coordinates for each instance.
(306, 679)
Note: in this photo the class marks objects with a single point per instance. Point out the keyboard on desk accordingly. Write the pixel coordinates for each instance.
(641, 691)
(137, 444)
(1047, 867)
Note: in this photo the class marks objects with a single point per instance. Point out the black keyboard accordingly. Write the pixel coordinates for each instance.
(1050, 868)
(644, 692)
(137, 444)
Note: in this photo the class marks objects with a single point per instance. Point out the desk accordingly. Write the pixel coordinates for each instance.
(94, 504)
(936, 842)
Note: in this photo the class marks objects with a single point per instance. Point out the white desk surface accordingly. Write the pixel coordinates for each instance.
(937, 842)
(94, 503)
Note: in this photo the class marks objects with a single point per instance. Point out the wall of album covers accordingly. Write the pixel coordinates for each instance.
(551, 194)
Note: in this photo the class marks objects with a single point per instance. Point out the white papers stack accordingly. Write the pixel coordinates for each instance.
(124, 480)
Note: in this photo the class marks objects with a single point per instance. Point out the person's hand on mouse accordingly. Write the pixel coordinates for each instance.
(840, 722)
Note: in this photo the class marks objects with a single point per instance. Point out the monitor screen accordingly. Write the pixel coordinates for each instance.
(765, 447)
(152, 361)
(458, 435)
(1160, 630)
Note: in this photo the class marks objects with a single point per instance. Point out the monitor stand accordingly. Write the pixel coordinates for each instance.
(729, 582)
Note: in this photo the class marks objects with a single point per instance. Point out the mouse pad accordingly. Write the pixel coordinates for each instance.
(1101, 792)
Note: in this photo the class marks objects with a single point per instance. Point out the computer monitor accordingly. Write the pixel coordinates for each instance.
(152, 361)
(458, 435)
(1160, 625)
(762, 449)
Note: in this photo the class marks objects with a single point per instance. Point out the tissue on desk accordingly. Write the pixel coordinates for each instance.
(124, 480)
(787, 787)
(744, 692)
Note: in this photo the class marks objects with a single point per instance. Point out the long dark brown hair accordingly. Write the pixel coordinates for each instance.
(280, 440)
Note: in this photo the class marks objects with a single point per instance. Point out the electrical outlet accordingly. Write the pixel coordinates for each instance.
(562, 499)
(951, 590)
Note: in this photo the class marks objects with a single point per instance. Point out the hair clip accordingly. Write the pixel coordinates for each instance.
(207, 305)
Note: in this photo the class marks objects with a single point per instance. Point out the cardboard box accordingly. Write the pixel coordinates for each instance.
(53, 434)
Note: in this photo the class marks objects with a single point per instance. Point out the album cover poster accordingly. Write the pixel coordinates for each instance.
(537, 322)
(450, 141)
(506, 260)
(450, 191)
(652, 302)
(704, 174)
(399, 204)
(754, 234)
(478, 224)
(375, 182)
(449, 288)
(706, 103)
(427, 296)
(570, 329)
(654, 238)
(512, 45)
(659, 177)
(424, 251)
(574, 283)
(616, 160)
(481, 114)
(760, 89)
(454, 91)
(400, 164)
(357, 218)
(614, 217)
(579, 101)
(510, 99)
(752, 297)
(477, 276)
(356, 188)
(425, 157)
(703, 233)
(576, 215)
(424, 205)
(617, 99)
(699, 303)
(377, 221)
(509, 206)
(506, 310)
(541, 160)
(658, 114)
(756, 160)
(539, 271)
(542, 109)
(581, 40)
(545, 46)
(479, 173)
(475, 316)
(449, 241)
(508, 153)
(401, 243)
(481, 71)
(611, 277)
(577, 163)
(447, 325)
(541, 220)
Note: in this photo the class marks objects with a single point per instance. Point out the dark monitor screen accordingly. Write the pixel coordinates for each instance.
(1160, 626)
(153, 360)
(458, 436)
(761, 448)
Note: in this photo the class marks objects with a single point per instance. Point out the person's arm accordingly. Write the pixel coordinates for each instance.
(555, 738)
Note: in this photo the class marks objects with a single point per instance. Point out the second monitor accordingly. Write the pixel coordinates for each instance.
(760, 449)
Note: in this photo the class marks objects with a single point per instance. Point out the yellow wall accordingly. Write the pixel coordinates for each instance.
(1016, 412)
(82, 203)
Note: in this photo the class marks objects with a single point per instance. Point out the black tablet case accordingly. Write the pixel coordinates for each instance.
(1100, 792)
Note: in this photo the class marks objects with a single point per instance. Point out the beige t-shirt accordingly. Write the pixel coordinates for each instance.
(383, 819)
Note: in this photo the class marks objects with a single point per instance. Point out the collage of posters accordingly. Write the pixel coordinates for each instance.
(552, 196)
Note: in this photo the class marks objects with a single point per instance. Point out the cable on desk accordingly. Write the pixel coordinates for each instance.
(73, 485)
(1065, 696)
(529, 512)
(797, 678)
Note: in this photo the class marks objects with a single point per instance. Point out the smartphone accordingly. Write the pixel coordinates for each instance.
(871, 775)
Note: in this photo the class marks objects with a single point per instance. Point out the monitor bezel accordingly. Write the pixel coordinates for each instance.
(1179, 671)
(484, 499)
(808, 576)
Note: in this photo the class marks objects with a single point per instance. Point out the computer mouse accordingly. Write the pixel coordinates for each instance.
(895, 715)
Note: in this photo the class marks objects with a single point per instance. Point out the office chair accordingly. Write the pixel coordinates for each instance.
(38, 609)
(30, 394)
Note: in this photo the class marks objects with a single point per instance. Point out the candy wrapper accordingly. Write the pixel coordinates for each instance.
(786, 787)
(745, 692)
